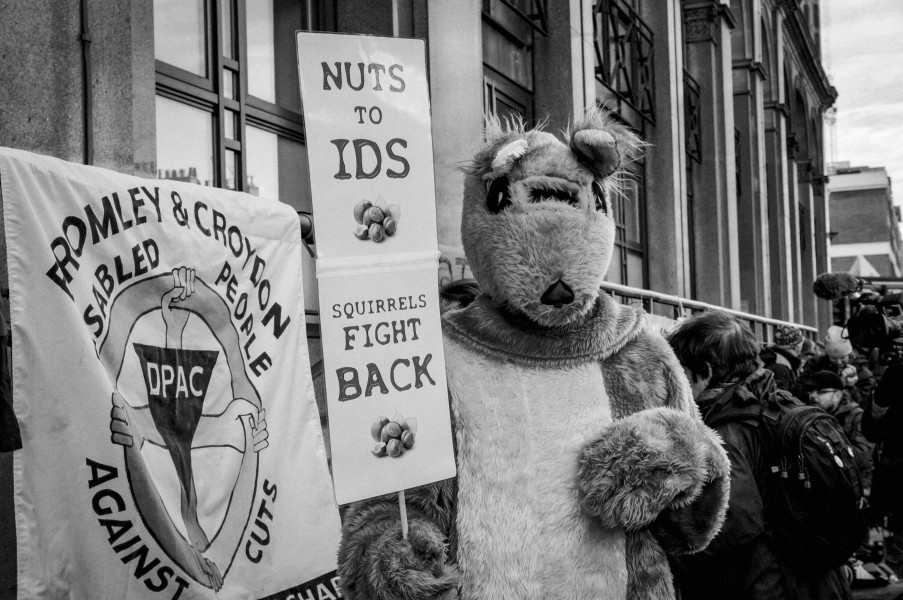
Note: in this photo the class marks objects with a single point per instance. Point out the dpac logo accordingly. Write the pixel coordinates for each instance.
(189, 420)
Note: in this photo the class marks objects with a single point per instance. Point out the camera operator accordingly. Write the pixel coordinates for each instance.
(882, 423)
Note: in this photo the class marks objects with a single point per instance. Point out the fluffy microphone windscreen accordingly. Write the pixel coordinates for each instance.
(833, 286)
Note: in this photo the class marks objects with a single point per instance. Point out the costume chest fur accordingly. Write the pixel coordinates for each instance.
(582, 462)
(524, 408)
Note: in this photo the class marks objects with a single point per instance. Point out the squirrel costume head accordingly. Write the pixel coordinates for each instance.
(538, 225)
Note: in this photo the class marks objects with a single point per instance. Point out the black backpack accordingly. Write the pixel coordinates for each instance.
(815, 504)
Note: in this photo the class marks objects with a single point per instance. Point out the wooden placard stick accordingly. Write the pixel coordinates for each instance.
(404, 515)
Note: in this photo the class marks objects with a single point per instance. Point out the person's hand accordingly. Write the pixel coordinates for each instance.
(849, 375)
(120, 428)
(641, 464)
(175, 319)
(258, 429)
(388, 567)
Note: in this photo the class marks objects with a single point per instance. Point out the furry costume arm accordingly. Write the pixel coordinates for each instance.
(657, 463)
(375, 563)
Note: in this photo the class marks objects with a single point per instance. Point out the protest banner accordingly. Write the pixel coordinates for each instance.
(367, 122)
(171, 441)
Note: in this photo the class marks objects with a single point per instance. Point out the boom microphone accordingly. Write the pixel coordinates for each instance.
(834, 286)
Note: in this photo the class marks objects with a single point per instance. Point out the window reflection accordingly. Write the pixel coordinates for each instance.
(179, 35)
(277, 168)
(263, 163)
(231, 167)
(261, 50)
(184, 142)
(228, 25)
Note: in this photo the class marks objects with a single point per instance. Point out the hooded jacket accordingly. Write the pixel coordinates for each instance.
(743, 562)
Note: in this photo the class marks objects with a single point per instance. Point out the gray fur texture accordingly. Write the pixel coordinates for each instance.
(537, 216)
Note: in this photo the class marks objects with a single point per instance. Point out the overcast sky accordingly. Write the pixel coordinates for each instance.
(862, 50)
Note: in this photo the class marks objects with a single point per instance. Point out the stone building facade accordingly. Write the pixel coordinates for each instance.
(727, 207)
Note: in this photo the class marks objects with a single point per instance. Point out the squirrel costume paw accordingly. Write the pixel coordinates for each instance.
(649, 461)
(381, 565)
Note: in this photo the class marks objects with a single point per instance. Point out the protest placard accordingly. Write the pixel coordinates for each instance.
(367, 125)
(171, 442)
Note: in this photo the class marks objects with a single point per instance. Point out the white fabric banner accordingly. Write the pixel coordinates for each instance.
(171, 441)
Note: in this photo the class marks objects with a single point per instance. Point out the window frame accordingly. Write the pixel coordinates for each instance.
(208, 93)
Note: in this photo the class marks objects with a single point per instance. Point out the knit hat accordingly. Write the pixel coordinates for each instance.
(787, 335)
(836, 345)
(824, 380)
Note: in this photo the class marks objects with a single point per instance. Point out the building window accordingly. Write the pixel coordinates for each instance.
(228, 107)
(508, 30)
(628, 264)
(624, 47)
(624, 50)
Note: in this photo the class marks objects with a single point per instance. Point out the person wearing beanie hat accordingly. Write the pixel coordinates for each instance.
(788, 336)
(782, 358)
(838, 346)
(826, 390)
(827, 384)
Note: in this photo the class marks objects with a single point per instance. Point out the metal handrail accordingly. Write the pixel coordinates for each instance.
(680, 306)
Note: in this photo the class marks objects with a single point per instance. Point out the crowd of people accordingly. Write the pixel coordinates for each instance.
(737, 383)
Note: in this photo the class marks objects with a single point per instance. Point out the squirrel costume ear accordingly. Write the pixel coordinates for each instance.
(507, 156)
(602, 143)
(597, 149)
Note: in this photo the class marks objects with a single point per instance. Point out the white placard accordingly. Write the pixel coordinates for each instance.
(171, 441)
(367, 122)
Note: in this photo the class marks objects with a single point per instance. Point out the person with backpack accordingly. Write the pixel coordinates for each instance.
(751, 558)
(826, 390)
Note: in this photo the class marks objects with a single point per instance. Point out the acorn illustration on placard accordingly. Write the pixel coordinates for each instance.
(393, 436)
(376, 220)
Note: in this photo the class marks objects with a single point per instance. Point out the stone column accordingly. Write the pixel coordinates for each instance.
(668, 255)
(752, 206)
(793, 220)
(808, 314)
(708, 29)
(824, 308)
(456, 93)
(778, 210)
(567, 52)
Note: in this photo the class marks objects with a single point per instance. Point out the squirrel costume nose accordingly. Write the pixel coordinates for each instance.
(558, 294)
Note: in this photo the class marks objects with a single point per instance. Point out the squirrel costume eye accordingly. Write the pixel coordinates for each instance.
(498, 198)
(599, 196)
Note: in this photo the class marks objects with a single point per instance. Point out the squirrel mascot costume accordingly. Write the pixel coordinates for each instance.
(582, 460)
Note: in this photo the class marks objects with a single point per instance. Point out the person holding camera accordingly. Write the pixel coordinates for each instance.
(882, 424)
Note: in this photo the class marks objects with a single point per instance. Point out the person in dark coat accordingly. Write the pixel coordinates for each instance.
(882, 424)
(783, 357)
(826, 390)
(743, 562)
